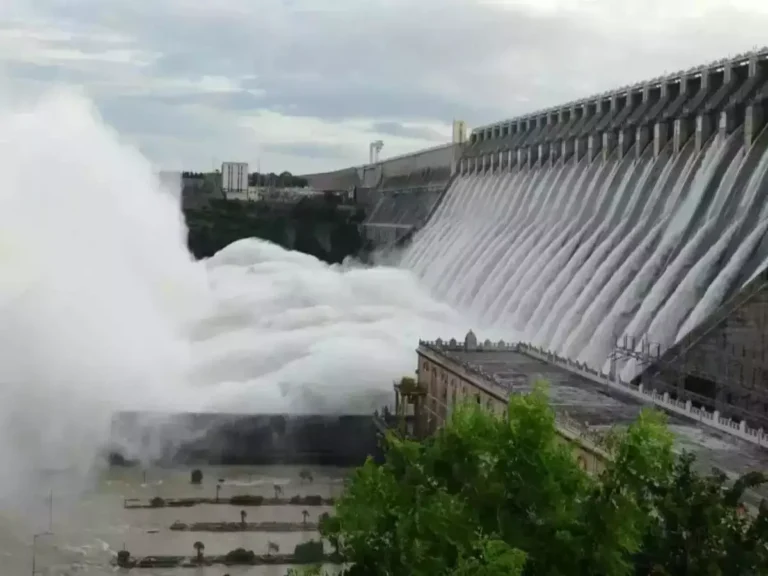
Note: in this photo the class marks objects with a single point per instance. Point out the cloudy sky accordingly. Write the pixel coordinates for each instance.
(305, 85)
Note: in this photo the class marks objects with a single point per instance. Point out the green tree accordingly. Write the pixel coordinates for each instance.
(493, 496)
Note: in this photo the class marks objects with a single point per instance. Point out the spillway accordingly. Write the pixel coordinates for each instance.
(634, 213)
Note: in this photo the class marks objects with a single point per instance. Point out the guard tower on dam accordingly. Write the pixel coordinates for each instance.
(667, 110)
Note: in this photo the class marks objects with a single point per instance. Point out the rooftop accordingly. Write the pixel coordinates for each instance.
(598, 407)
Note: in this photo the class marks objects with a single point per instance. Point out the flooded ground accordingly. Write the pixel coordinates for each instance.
(86, 534)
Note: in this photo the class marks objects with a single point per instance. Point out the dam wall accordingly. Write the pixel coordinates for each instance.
(636, 212)
(409, 189)
(399, 193)
(237, 439)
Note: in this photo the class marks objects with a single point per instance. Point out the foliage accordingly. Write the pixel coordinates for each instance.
(123, 558)
(505, 496)
(246, 500)
(309, 552)
(157, 502)
(199, 548)
(317, 226)
(240, 556)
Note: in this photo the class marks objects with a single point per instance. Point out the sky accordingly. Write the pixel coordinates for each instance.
(306, 85)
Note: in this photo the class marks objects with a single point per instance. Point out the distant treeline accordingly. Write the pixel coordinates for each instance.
(318, 225)
(282, 180)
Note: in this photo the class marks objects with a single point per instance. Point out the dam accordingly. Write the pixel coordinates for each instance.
(635, 212)
(607, 229)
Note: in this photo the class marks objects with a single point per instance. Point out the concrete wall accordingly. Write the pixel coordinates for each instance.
(336, 181)
(189, 439)
(408, 190)
(671, 109)
(397, 193)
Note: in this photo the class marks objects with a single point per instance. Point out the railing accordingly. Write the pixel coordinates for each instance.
(563, 420)
(739, 429)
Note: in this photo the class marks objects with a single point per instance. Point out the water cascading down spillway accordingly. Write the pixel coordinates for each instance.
(634, 213)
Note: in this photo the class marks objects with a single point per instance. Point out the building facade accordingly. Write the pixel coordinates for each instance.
(443, 383)
(234, 177)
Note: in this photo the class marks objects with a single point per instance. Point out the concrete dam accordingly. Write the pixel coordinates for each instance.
(634, 213)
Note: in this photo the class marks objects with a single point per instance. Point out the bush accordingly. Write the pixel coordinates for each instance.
(309, 552)
(196, 477)
(309, 500)
(123, 556)
(182, 503)
(157, 502)
(246, 500)
(240, 556)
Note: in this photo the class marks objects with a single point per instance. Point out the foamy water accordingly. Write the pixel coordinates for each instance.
(102, 308)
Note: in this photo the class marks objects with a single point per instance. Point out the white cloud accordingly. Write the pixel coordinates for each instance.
(305, 85)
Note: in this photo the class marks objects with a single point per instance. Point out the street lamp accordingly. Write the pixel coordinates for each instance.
(34, 547)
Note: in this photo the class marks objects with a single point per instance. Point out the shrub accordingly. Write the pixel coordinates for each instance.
(246, 500)
(240, 556)
(309, 552)
(196, 477)
(123, 556)
(157, 502)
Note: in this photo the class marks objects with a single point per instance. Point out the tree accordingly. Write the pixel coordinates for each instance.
(243, 516)
(278, 491)
(199, 548)
(196, 476)
(500, 496)
(272, 547)
(305, 516)
(306, 474)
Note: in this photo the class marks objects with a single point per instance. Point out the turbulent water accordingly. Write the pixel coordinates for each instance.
(573, 257)
(102, 308)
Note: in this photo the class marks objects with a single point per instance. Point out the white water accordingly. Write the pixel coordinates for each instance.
(103, 309)
(638, 247)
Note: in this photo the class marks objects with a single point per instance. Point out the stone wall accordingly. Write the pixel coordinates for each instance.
(213, 439)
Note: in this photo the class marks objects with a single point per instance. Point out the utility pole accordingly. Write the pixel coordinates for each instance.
(34, 549)
(50, 512)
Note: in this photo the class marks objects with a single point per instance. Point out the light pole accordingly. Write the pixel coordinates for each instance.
(34, 548)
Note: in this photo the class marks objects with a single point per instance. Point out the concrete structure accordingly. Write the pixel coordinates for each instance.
(240, 439)
(671, 109)
(586, 404)
(459, 132)
(398, 193)
(234, 177)
(720, 367)
(409, 188)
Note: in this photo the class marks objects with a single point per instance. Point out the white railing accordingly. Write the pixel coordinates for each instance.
(738, 428)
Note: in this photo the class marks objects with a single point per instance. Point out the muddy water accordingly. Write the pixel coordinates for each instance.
(88, 531)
